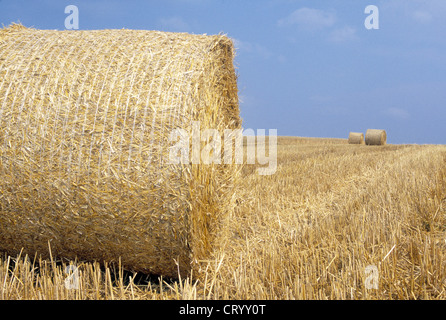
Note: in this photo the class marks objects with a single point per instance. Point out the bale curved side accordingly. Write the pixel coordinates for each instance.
(375, 137)
(356, 138)
(85, 118)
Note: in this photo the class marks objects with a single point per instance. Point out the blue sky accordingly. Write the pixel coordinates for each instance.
(305, 68)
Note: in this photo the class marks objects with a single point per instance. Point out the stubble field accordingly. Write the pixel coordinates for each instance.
(336, 221)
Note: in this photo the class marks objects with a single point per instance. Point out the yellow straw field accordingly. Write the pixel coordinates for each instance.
(336, 221)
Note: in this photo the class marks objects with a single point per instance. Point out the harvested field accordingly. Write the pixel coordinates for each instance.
(312, 230)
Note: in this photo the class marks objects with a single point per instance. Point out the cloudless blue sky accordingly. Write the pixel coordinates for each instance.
(305, 68)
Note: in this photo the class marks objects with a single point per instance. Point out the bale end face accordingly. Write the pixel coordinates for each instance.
(375, 137)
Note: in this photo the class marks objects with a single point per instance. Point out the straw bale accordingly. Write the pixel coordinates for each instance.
(84, 121)
(375, 137)
(356, 138)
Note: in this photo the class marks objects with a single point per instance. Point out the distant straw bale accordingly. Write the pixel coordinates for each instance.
(375, 137)
(84, 124)
(356, 138)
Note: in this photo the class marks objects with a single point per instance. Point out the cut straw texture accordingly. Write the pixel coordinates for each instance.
(84, 153)
(356, 138)
(375, 137)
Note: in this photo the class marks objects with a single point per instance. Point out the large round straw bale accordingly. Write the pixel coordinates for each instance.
(375, 137)
(85, 118)
(356, 138)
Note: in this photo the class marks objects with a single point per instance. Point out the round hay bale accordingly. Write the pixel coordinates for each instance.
(356, 138)
(85, 118)
(375, 137)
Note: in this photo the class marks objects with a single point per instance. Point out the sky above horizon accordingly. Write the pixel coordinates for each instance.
(305, 68)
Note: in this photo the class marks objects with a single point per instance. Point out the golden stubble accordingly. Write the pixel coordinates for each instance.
(309, 231)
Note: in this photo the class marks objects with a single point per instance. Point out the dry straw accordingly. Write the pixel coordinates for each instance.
(84, 124)
(356, 138)
(375, 137)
